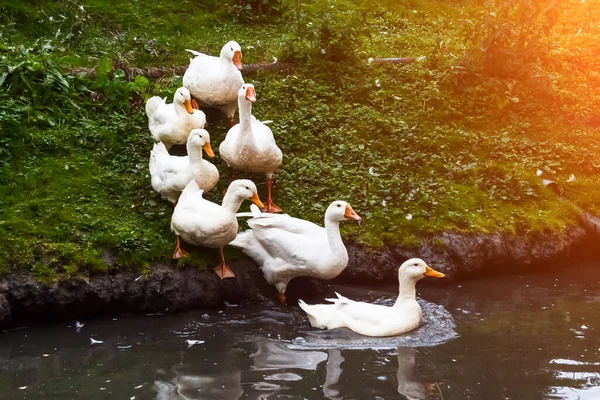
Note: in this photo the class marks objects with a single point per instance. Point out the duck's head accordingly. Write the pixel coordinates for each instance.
(201, 138)
(232, 51)
(245, 189)
(415, 269)
(247, 92)
(340, 211)
(183, 96)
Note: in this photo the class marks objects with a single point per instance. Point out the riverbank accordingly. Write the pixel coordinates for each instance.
(169, 289)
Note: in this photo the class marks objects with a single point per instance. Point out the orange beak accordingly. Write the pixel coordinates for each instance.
(351, 214)
(188, 106)
(237, 59)
(431, 272)
(250, 94)
(257, 201)
(208, 149)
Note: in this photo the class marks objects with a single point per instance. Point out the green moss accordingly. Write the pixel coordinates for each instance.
(436, 145)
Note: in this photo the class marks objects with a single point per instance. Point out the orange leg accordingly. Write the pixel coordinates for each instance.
(195, 105)
(270, 207)
(179, 252)
(282, 297)
(222, 270)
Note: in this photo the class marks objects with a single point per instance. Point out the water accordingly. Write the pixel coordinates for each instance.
(519, 337)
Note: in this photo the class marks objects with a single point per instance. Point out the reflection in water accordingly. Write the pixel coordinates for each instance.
(581, 379)
(272, 354)
(223, 386)
(202, 381)
(334, 370)
(406, 385)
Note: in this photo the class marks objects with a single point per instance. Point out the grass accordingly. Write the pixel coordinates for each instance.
(443, 144)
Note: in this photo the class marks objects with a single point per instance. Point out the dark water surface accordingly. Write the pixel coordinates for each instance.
(519, 337)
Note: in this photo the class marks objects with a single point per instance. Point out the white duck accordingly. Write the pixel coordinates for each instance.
(172, 123)
(170, 174)
(215, 81)
(373, 319)
(204, 223)
(287, 247)
(249, 146)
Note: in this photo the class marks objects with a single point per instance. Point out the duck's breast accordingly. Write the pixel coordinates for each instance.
(212, 84)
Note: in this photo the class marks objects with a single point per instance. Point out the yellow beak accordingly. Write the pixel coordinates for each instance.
(188, 106)
(256, 200)
(351, 214)
(237, 59)
(250, 94)
(208, 149)
(431, 272)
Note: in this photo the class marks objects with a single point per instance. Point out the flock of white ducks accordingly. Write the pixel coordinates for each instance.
(284, 247)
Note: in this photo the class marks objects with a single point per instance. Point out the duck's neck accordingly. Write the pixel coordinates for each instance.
(180, 110)
(231, 202)
(246, 136)
(334, 237)
(407, 290)
(195, 154)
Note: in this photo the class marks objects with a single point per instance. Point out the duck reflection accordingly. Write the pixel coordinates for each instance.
(190, 383)
(334, 371)
(272, 354)
(407, 386)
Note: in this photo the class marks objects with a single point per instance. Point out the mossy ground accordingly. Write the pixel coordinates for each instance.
(416, 149)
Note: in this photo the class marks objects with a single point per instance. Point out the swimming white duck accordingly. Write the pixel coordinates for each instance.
(373, 319)
(172, 123)
(170, 174)
(215, 81)
(287, 247)
(204, 223)
(249, 146)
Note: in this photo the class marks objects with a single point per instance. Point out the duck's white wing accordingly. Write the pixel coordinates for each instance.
(356, 312)
(265, 221)
(361, 317)
(201, 59)
(293, 240)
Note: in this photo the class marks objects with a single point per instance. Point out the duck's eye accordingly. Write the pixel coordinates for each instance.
(231, 48)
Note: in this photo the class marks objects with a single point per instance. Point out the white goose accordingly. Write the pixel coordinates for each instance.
(170, 174)
(204, 223)
(249, 146)
(287, 247)
(172, 123)
(372, 319)
(215, 81)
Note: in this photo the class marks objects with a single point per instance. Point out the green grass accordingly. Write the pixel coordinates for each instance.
(449, 142)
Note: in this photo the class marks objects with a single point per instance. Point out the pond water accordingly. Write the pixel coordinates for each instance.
(530, 336)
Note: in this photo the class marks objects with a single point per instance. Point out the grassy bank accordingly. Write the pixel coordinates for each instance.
(450, 142)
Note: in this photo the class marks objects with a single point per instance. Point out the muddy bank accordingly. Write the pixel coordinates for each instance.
(459, 255)
(169, 289)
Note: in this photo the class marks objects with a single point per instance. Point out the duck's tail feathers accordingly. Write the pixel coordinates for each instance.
(194, 52)
(254, 211)
(243, 239)
(152, 104)
(159, 149)
(156, 172)
(319, 315)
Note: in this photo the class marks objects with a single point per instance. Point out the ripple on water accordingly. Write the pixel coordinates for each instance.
(581, 379)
